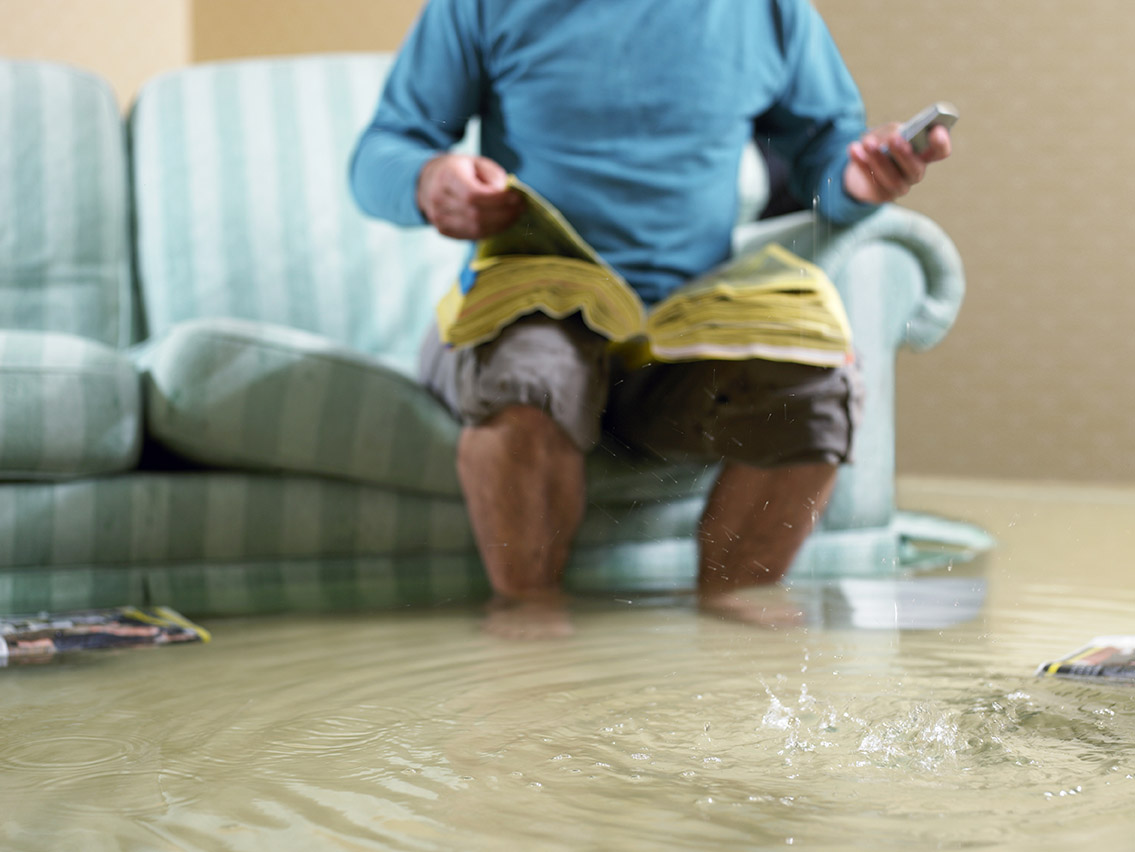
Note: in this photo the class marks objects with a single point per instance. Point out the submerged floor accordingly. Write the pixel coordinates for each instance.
(897, 714)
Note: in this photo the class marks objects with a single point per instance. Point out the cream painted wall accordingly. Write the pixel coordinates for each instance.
(228, 28)
(1036, 380)
(125, 41)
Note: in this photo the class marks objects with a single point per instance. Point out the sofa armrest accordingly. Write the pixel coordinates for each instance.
(831, 247)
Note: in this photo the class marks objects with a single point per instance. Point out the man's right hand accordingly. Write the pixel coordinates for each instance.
(467, 197)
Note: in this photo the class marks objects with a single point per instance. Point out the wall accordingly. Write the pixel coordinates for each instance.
(126, 41)
(129, 41)
(1036, 380)
(227, 28)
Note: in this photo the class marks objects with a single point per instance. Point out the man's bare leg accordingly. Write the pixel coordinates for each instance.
(754, 523)
(523, 481)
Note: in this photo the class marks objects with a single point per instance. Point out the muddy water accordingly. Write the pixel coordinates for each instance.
(896, 714)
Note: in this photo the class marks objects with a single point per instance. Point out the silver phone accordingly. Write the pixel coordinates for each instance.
(916, 131)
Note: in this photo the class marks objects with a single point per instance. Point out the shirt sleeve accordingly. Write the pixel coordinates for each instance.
(817, 115)
(433, 89)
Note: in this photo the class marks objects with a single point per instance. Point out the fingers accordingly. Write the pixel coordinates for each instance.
(467, 197)
(488, 174)
(940, 145)
(885, 166)
(891, 166)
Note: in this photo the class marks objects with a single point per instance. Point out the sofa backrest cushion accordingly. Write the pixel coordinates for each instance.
(64, 218)
(244, 209)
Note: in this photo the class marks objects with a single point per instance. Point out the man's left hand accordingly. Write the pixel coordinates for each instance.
(875, 176)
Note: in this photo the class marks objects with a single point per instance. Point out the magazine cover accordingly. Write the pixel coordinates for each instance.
(42, 637)
(1103, 657)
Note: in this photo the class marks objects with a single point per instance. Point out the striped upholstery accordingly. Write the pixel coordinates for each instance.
(232, 517)
(244, 209)
(68, 407)
(69, 401)
(236, 394)
(64, 229)
(231, 543)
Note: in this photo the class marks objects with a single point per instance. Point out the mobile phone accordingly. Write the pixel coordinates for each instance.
(916, 131)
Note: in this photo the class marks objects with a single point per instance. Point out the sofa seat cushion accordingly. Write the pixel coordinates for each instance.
(223, 542)
(237, 394)
(69, 407)
(240, 394)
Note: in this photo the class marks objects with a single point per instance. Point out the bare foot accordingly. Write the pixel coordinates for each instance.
(543, 617)
(759, 609)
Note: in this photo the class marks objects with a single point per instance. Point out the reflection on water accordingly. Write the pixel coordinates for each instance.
(899, 713)
(909, 603)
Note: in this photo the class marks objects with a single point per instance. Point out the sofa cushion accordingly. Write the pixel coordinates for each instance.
(64, 231)
(237, 394)
(69, 407)
(244, 209)
(236, 543)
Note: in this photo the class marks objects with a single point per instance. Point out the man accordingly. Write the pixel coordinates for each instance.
(630, 117)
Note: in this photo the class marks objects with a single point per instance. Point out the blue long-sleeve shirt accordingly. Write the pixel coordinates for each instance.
(628, 115)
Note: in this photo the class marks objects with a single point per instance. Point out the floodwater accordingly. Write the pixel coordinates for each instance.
(896, 714)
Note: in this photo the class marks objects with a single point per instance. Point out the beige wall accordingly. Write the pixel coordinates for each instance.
(1037, 380)
(130, 41)
(125, 41)
(228, 28)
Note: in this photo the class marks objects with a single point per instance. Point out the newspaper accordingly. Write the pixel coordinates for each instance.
(44, 636)
(1111, 657)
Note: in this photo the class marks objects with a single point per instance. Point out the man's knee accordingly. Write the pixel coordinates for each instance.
(556, 367)
(525, 434)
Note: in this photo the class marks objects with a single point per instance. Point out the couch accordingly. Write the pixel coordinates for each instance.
(206, 360)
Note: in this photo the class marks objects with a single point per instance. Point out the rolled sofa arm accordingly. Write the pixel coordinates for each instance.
(831, 247)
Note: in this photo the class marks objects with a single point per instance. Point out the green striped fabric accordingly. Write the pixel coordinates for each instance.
(230, 543)
(64, 216)
(237, 394)
(244, 209)
(68, 407)
(229, 518)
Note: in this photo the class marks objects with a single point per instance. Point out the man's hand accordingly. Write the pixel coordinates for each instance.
(467, 197)
(874, 177)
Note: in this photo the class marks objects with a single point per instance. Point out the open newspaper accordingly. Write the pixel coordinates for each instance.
(44, 636)
(770, 304)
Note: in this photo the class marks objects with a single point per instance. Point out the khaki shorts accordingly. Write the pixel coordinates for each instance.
(762, 413)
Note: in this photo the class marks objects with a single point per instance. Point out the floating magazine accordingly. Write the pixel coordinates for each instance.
(1110, 657)
(39, 638)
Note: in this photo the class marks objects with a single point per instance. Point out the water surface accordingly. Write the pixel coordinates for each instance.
(897, 714)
